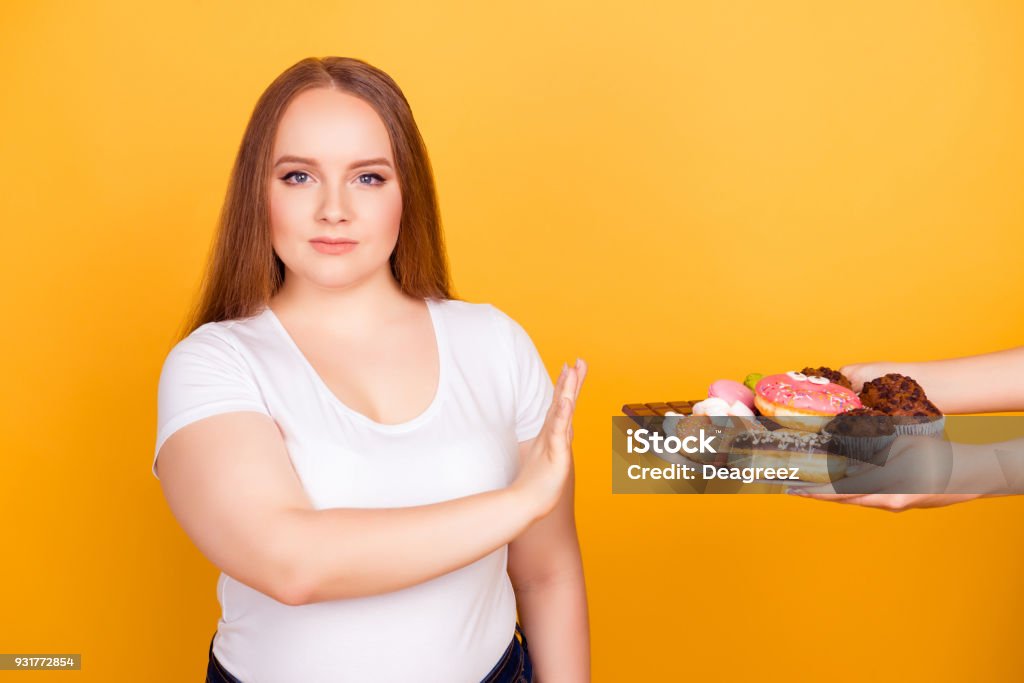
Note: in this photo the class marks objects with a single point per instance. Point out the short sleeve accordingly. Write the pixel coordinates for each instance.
(203, 375)
(532, 384)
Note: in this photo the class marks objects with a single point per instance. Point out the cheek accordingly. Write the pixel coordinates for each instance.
(285, 219)
(383, 217)
(293, 206)
(395, 218)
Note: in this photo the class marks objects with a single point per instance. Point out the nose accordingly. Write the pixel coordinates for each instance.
(334, 206)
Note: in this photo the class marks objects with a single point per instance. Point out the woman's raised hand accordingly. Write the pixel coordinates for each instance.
(545, 466)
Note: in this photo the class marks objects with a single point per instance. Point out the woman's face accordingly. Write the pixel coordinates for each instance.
(333, 177)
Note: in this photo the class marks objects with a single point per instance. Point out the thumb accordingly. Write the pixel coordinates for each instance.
(851, 372)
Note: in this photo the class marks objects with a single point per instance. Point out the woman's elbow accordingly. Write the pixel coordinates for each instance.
(292, 593)
(293, 581)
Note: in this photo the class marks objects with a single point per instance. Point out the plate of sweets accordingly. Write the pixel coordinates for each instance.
(810, 421)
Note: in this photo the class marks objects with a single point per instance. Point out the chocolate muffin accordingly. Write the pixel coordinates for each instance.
(831, 375)
(864, 422)
(864, 434)
(902, 398)
(896, 394)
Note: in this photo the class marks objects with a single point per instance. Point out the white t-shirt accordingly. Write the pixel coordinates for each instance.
(494, 392)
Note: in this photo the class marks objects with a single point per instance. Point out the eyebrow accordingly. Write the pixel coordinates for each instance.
(287, 158)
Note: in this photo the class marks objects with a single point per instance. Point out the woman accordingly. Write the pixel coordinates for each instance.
(382, 472)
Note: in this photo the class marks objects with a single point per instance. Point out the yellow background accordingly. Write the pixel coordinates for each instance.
(676, 191)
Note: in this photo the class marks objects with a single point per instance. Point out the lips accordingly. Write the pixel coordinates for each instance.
(336, 247)
(331, 240)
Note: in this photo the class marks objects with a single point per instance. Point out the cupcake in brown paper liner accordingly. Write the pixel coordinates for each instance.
(904, 400)
(864, 434)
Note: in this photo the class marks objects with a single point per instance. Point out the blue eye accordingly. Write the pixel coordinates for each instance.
(294, 173)
(303, 173)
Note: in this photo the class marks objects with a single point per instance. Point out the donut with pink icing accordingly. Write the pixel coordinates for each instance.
(802, 397)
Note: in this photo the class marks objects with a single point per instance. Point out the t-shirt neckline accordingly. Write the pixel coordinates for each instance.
(440, 339)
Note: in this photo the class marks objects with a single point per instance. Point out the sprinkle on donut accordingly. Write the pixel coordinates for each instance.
(797, 391)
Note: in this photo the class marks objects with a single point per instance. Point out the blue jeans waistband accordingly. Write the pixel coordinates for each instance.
(514, 666)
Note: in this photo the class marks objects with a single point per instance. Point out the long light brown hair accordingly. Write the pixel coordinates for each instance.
(243, 271)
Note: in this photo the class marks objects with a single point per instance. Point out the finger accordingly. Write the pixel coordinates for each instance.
(834, 497)
(572, 386)
(562, 378)
(565, 384)
(568, 424)
(561, 422)
(560, 427)
(550, 426)
(569, 392)
(884, 501)
(559, 387)
(822, 493)
(850, 372)
(571, 383)
(581, 368)
(881, 501)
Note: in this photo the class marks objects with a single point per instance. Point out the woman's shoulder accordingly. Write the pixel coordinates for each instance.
(219, 330)
(479, 315)
(219, 338)
(475, 322)
(207, 345)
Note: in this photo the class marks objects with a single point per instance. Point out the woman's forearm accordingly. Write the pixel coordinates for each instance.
(990, 382)
(554, 618)
(353, 552)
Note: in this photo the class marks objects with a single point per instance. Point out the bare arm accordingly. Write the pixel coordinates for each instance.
(230, 484)
(381, 550)
(546, 569)
(989, 382)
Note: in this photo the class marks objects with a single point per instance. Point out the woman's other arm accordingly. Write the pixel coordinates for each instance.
(547, 573)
